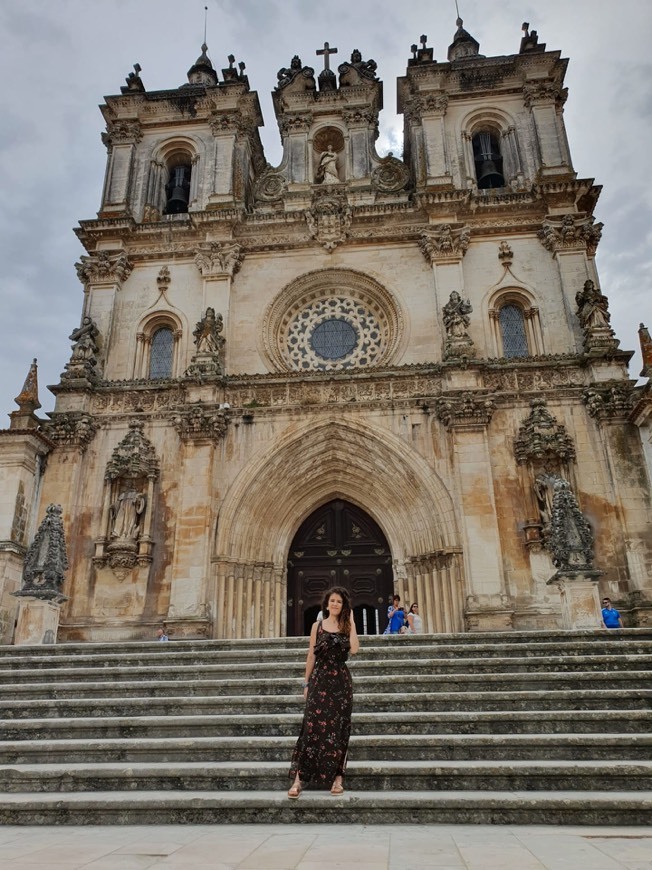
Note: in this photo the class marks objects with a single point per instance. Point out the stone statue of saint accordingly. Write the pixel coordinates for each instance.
(327, 169)
(126, 512)
(456, 316)
(207, 332)
(85, 342)
(592, 307)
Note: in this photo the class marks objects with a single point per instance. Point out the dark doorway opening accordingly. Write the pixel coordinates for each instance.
(339, 545)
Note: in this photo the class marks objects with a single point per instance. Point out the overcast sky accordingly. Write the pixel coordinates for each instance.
(58, 58)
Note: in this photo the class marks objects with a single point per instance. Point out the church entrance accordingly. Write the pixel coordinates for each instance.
(339, 545)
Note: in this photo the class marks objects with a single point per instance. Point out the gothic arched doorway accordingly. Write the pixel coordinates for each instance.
(339, 545)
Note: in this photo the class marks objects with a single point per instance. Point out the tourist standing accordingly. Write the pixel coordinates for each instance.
(610, 616)
(415, 623)
(320, 755)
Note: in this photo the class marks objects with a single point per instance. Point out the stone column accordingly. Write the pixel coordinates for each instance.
(466, 416)
(218, 262)
(434, 134)
(103, 274)
(545, 100)
(121, 139)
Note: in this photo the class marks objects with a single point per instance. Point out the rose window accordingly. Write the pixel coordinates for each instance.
(334, 333)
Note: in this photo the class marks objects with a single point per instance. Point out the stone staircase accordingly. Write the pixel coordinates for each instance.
(526, 727)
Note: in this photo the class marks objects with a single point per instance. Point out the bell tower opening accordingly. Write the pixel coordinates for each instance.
(339, 545)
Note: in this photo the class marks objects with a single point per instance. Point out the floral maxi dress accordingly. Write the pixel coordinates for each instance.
(321, 751)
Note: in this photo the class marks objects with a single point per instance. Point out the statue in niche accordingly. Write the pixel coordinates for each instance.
(126, 513)
(327, 169)
(456, 316)
(592, 307)
(208, 338)
(544, 491)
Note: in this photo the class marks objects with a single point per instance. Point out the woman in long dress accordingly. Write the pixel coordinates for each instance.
(320, 755)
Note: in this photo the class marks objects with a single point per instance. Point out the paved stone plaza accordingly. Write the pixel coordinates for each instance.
(327, 847)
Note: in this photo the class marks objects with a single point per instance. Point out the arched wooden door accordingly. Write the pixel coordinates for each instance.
(339, 545)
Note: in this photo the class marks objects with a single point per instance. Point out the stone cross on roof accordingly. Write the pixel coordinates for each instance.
(326, 51)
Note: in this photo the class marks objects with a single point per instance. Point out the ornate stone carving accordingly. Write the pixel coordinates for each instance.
(571, 232)
(541, 438)
(295, 123)
(83, 360)
(71, 429)
(458, 342)
(357, 71)
(327, 171)
(359, 116)
(570, 540)
(46, 561)
(270, 186)
(163, 279)
(548, 91)
(215, 259)
(646, 350)
(391, 175)
(594, 317)
(122, 132)
(613, 401)
(505, 254)
(328, 220)
(134, 456)
(434, 103)
(303, 77)
(209, 341)
(465, 410)
(445, 243)
(104, 268)
(201, 423)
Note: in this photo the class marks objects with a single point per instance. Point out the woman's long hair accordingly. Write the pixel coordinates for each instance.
(344, 619)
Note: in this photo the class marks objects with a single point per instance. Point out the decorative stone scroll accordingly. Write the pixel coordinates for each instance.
(217, 259)
(593, 315)
(465, 410)
(270, 186)
(201, 423)
(301, 77)
(445, 243)
(46, 561)
(391, 175)
(571, 232)
(104, 268)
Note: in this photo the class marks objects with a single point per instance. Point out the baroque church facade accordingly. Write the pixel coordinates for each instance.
(349, 369)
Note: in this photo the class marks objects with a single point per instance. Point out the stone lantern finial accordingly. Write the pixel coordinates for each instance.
(27, 401)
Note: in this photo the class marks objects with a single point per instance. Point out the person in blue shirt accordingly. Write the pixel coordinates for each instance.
(610, 616)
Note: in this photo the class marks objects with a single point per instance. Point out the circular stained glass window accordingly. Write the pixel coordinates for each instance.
(334, 338)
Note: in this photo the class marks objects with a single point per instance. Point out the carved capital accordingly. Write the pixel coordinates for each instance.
(104, 268)
(572, 232)
(295, 123)
(201, 423)
(71, 429)
(540, 93)
(609, 402)
(122, 133)
(542, 438)
(359, 117)
(216, 259)
(505, 254)
(445, 243)
(465, 410)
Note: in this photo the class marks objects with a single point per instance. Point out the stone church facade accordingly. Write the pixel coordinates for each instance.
(348, 368)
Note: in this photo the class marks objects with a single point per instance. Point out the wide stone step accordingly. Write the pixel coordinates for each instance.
(376, 747)
(287, 724)
(361, 776)
(401, 807)
(416, 685)
(387, 669)
(622, 699)
(426, 646)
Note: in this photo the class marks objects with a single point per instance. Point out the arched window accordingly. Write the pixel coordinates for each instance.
(177, 188)
(488, 160)
(161, 353)
(512, 331)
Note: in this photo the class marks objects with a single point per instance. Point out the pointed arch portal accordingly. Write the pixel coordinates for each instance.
(339, 545)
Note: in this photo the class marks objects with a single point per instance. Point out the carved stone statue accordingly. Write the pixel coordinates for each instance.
(126, 512)
(456, 321)
(46, 560)
(208, 338)
(83, 360)
(594, 317)
(327, 169)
